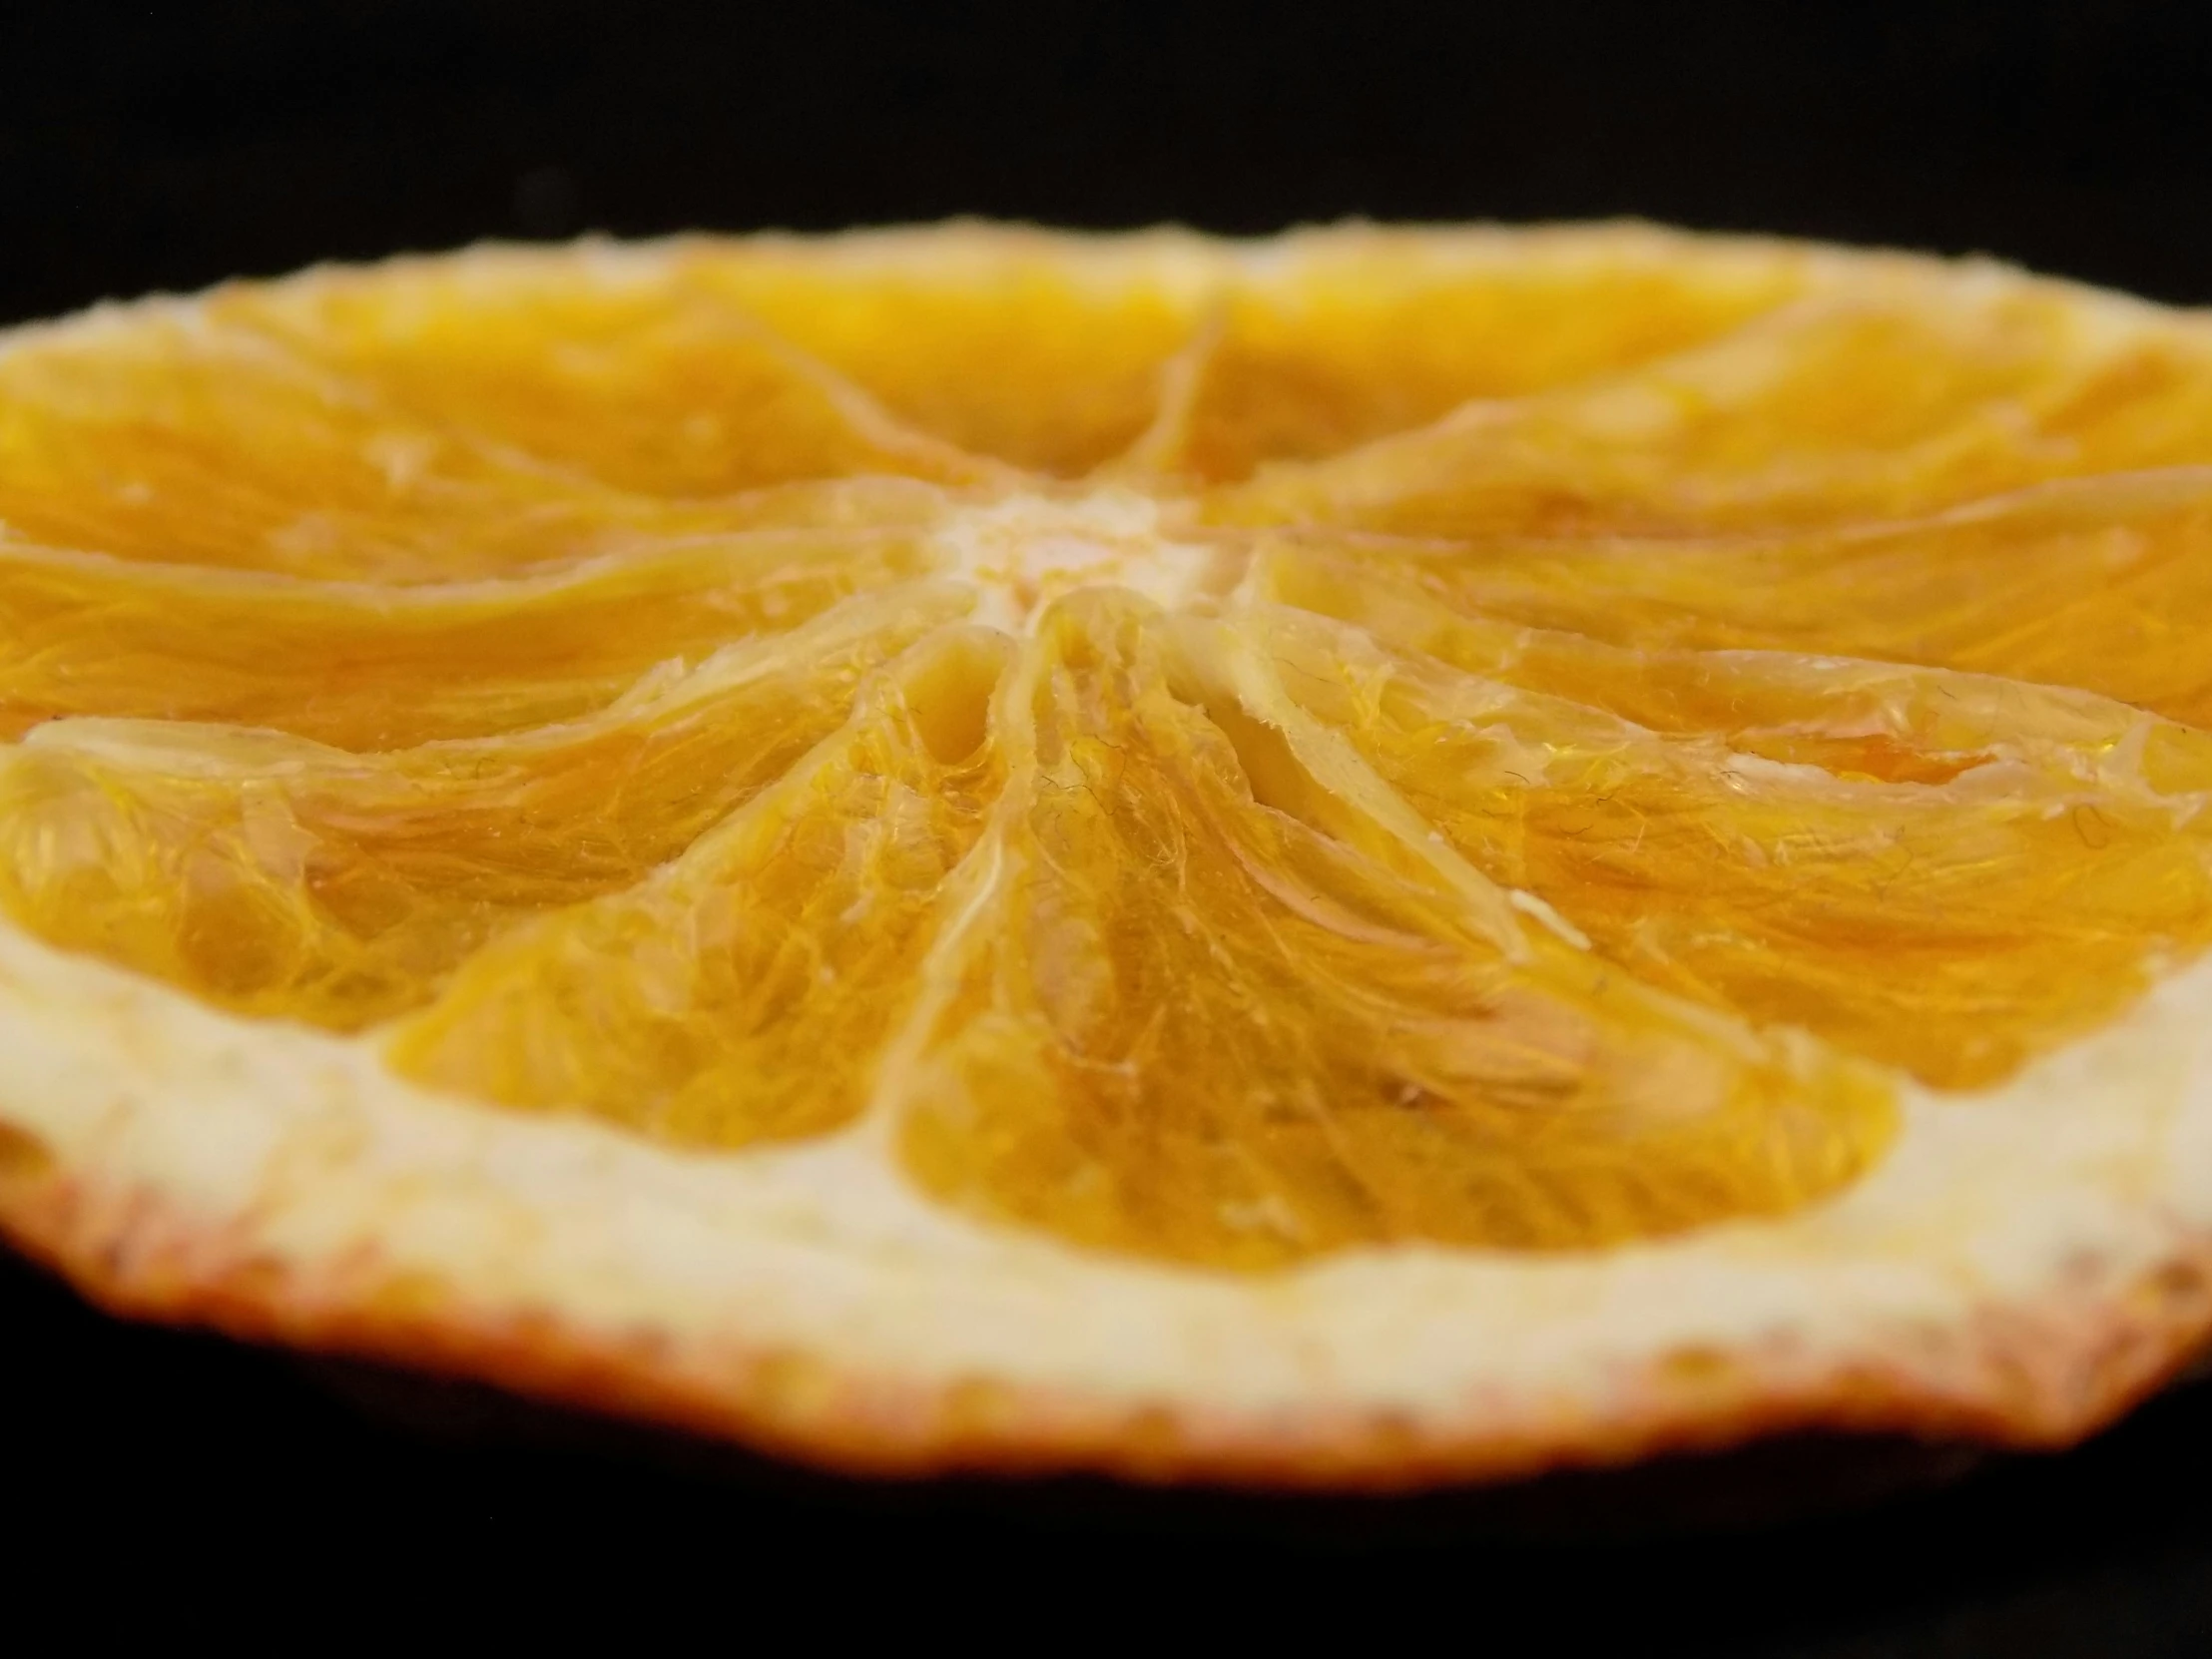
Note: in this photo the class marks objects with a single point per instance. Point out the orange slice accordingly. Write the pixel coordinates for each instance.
(1368, 858)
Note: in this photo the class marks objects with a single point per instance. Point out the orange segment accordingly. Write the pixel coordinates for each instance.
(1193, 1026)
(744, 991)
(2104, 584)
(193, 442)
(1896, 723)
(1866, 405)
(1949, 930)
(362, 667)
(988, 340)
(276, 877)
(1334, 341)
(659, 385)
(188, 443)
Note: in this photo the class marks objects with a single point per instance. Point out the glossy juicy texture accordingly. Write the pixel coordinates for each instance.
(1191, 1019)
(1506, 742)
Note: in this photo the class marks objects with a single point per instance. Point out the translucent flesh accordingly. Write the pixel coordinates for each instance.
(218, 444)
(1866, 405)
(1192, 1024)
(348, 663)
(1003, 350)
(1601, 710)
(657, 383)
(1352, 343)
(745, 991)
(2104, 584)
(1950, 928)
(1891, 721)
(278, 875)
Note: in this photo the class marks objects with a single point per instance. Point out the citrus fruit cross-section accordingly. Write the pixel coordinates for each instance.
(1365, 858)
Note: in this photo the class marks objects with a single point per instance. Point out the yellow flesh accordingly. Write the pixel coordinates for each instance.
(1403, 739)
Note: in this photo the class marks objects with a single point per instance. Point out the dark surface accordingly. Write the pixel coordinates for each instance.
(170, 146)
(175, 145)
(164, 1448)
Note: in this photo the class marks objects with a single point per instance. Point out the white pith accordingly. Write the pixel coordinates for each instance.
(2082, 1170)
(2071, 1183)
(1024, 551)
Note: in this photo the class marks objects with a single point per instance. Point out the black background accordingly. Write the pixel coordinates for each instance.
(167, 146)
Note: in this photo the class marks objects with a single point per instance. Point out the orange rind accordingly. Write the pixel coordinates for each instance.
(1373, 858)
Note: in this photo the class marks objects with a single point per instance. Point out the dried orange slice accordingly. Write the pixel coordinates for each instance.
(1374, 858)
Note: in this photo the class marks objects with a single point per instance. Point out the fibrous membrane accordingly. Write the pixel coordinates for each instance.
(1222, 755)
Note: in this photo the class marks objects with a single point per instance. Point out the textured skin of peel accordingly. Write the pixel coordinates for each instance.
(743, 992)
(275, 876)
(1225, 755)
(1195, 1027)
